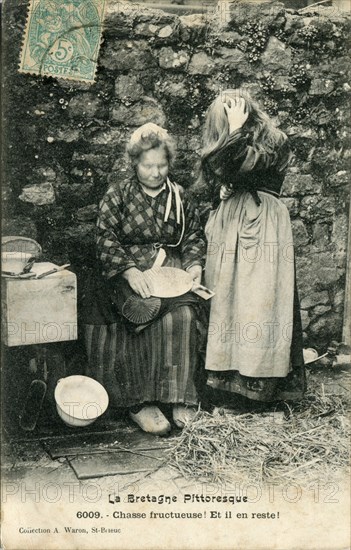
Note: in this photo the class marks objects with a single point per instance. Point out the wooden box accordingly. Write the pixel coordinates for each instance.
(40, 311)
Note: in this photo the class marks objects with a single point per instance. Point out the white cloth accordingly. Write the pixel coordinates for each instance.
(145, 130)
(173, 187)
(250, 267)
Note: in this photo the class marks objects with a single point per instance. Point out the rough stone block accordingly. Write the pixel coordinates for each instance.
(327, 328)
(120, 169)
(328, 276)
(85, 105)
(315, 298)
(193, 28)
(114, 137)
(68, 135)
(154, 16)
(148, 110)
(232, 57)
(276, 55)
(305, 319)
(39, 195)
(234, 14)
(119, 18)
(300, 233)
(293, 130)
(340, 178)
(314, 207)
(229, 38)
(317, 271)
(128, 87)
(201, 63)
(307, 134)
(169, 59)
(160, 28)
(327, 269)
(320, 310)
(319, 86)
(175, 90)
(321, 235)
(300, 184)
(291, 204)
(305, 276)
(127, 55)
(146, 29)
(87, 213)
(44, 174)
(92, 160)
(165, 32)
(282, 83)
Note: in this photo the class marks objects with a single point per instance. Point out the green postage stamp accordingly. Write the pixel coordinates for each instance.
(62, 38)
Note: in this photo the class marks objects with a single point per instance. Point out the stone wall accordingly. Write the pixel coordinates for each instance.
(64, 141)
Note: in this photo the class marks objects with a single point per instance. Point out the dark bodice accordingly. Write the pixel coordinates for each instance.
(241, 166)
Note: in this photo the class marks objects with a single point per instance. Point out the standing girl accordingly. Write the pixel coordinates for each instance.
(255, 338)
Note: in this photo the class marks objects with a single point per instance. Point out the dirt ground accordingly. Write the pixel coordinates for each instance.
(55, 452)
(53, 475)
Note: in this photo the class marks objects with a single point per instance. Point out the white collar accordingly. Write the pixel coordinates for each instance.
(153, 192)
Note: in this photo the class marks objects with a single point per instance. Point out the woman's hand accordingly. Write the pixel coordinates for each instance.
(137, 281)
(236, 112)
(225, 193)
(196, 273)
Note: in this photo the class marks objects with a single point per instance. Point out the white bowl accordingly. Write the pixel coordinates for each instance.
(14, 262)
(309, 355)
(80, 400)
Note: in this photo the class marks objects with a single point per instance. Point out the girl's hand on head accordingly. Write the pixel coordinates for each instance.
(236, 112)
(225, 193)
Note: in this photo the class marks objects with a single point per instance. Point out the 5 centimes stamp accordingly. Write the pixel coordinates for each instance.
(62, 38)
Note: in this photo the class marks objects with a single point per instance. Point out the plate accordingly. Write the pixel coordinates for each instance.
(169, 282)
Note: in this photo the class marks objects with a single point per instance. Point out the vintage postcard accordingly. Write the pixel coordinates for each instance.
(62, 39)
(176, 357)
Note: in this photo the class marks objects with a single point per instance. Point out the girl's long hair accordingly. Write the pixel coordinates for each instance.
(263, 134)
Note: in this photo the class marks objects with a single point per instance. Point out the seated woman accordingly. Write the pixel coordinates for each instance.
(157, 361)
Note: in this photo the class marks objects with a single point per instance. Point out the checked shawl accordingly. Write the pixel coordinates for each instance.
(130, 223)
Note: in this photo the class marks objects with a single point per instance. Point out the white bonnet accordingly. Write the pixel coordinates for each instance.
(145, 130)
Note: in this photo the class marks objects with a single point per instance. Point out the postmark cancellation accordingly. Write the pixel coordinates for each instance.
(62, 38)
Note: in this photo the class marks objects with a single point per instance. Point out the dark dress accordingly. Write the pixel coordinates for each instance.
(159, 363)
(255, 337)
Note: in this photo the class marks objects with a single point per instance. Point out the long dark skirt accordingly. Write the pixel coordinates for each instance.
(158, 364)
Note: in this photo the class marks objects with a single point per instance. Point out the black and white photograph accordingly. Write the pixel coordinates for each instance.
(176, 280)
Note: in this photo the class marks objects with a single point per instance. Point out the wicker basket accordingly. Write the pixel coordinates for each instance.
(16, 252)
